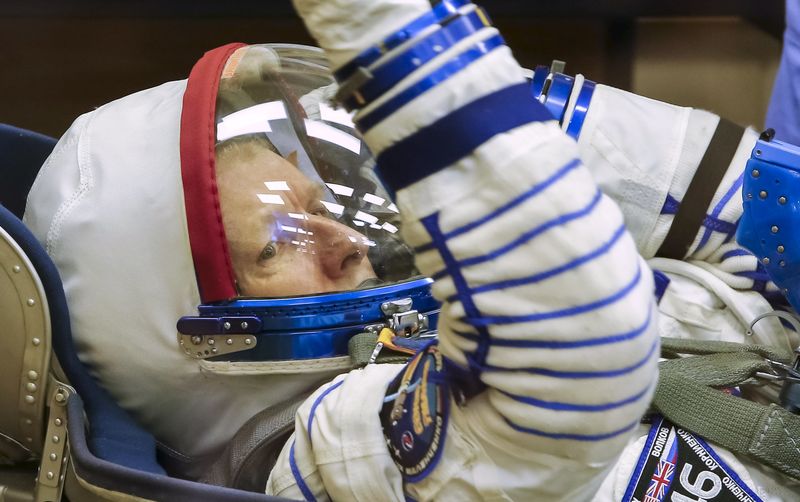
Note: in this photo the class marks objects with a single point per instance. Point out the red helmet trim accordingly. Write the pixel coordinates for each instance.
(212, 261)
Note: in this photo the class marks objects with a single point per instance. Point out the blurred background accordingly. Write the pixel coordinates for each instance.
(61, 58)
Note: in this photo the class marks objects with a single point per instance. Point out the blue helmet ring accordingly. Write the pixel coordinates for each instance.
(309, 327)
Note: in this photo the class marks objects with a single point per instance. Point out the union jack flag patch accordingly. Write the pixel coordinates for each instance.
(661, 479)
(677, 465)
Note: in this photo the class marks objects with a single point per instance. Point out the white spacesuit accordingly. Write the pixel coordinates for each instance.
(545, 298)
(533, 309)
(651, 158)
(719, 289)
(547, 344)
(644, 154)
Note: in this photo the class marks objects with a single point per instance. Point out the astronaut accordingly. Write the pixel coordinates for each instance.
(146, 205)
(244, 207)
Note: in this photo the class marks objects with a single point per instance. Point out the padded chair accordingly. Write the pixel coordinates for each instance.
(22, 153)
(54, 417)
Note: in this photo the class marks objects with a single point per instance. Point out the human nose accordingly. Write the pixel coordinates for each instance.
(340, 249)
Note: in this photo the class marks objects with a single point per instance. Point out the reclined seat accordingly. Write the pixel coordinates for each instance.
(60, 432)
(25, 313)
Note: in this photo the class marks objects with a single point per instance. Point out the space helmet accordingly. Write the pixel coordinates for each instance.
(221, 240)
(293, 233)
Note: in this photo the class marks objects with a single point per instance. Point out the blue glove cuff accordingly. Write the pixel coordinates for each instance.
(438, 14)
(366, 86)
(771, 202)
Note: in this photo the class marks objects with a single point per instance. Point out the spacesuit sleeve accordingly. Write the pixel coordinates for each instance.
(645, 154)
(546, 323)
(651, 157)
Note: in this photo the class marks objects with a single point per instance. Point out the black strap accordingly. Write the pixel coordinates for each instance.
(692, 210)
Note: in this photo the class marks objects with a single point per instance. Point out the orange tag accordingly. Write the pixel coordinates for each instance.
(233, 62)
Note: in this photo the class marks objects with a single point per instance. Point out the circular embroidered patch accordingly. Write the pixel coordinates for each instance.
(415, 422)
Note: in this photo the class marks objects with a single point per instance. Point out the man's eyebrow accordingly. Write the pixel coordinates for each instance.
(317, 191)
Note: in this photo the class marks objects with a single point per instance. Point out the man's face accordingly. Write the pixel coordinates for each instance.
(282, 240)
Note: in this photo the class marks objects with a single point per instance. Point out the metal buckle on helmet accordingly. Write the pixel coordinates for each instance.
(205, 337)
(402, 320)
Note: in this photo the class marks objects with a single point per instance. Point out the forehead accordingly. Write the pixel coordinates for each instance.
(252, 176)
(250, 159)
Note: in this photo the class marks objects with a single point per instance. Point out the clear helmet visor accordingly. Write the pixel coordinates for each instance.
(303, 210)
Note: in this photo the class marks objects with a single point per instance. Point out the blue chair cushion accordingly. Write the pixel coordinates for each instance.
(22, 153)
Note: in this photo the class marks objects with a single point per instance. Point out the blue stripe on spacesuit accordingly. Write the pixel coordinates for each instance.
(712, 219)
(527, 236)
(579, 309)
(401, 164)
(438, 275)
(298, 478)
(736, 252)
(559, 406)
(662, 283)
(317, 402)
(671, 205)
(423, 50)
(577, 375)
(431, 224)
(438, 14)
(758, 275)
(731, 235)
(567, 344)
(521, 281)
(444, 72)
(530, 234)
(573, 436)
(534, 190)
(713, 224)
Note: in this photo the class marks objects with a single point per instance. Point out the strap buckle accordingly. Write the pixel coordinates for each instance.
(788, 376)
(781, 372)
(785, 375)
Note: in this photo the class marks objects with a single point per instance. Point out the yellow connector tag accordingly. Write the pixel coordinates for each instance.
(386, 336)
(384, 339)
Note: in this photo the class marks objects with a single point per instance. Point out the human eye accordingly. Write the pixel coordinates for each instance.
(269, 251)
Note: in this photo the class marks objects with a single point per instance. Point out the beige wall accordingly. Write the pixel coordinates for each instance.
(55, 69)
(724, 65)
